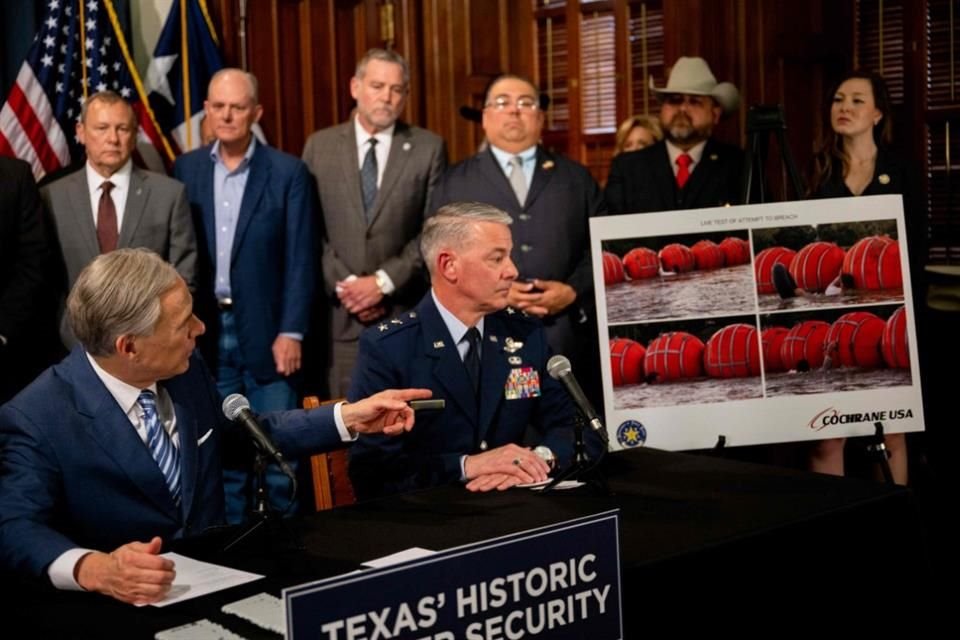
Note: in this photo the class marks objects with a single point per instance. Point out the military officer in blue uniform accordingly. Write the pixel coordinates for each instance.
(485, 360)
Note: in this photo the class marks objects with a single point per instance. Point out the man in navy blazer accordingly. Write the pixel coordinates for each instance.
(84, 498)
(253, 210)
(488, 405)
(688, 169)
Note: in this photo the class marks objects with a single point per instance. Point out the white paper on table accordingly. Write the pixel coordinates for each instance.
(196, 578)
(413, 553)
(199, 630)
(262, 609)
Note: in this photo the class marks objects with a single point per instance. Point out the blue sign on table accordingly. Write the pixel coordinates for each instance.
(559, 581)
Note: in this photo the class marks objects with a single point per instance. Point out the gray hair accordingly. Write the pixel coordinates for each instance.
(106, 97)
(250, 78)
(118, 294)
(452, 226)
(383, 55)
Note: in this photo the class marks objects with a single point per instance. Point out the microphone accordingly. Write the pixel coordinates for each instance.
(237, 409)
(559, 369)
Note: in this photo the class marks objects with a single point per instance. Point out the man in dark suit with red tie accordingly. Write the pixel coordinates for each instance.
(688, 169)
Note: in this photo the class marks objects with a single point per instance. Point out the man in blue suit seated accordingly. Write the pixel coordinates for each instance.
(485, 360)
(118, 447)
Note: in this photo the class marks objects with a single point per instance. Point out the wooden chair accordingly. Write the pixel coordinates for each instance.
(331, 484)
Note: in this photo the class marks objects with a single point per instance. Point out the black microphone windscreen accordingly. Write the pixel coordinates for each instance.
(233, 404)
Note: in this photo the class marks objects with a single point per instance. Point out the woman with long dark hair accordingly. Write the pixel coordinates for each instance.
(854, 159)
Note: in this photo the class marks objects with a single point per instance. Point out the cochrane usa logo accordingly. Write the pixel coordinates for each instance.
(830, 417)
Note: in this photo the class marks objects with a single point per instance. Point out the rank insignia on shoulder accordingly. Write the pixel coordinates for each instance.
(396, 321)
(413, 314)
(382, 326)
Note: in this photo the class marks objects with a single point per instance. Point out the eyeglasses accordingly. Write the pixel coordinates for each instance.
(525, 103)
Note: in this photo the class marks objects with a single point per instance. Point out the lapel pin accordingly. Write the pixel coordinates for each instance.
(883, 178)
(547, 165)
(714, 156)
(396, 321)
(514, 360)
(139, 191)
(438, 344)
(493, 338)
(406, 146)
(382, 327)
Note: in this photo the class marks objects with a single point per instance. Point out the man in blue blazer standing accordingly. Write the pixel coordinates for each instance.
(253, 211)
(118, 447)
(486, 360)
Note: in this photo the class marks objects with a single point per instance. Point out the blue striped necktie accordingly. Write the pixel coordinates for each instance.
(160, 445)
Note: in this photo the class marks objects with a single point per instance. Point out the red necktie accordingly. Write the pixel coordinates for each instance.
(107, 234)
(683, 169)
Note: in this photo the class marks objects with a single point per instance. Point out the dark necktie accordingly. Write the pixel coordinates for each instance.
(472, 359)
(160, 445)
(107, 233)
(368, 178)
(683, 169)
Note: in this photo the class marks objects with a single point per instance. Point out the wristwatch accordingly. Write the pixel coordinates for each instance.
(546, 455)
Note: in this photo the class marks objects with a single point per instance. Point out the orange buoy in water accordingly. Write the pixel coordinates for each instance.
(894, 346)
(641, 263)
(854, 340)
(707, 255)
(612, 269)
(626, 361)
(677, 257)
(874, 263)
(732, 352)
(802, 347)
(772, 341)
(816, 265)
(673, 356)
(735, 251)
(763, 266)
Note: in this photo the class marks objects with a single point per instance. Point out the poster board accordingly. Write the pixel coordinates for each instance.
(724, 354)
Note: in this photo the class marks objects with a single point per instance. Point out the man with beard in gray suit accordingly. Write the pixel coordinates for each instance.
(110, 204)
(374, 176)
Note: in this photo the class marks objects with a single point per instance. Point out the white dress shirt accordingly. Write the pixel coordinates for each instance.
(121, 189)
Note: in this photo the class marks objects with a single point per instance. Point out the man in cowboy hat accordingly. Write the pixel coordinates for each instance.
(688, 169)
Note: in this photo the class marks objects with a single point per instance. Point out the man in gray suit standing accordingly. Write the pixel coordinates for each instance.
(111, 204)
(374, 175)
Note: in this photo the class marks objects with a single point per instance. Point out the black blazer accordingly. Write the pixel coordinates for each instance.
(643, 181)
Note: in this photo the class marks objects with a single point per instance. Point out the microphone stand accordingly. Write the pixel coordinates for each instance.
(582, 468)
(263, 519)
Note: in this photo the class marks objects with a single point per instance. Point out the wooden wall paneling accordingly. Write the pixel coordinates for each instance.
(575, 140)
(625, 107)
(407, 19)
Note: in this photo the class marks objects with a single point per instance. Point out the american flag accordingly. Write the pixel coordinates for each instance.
(79, 51)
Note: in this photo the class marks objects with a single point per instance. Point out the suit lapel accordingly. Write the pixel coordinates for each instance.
(109, 427)
(350, 167)
(187, 429)
(664, 178)
(448, 368)
(208, 207)
(542, 174)
(494, 369)
(133, 211)
(493, 174)
(400, 148)
(258, 177)
(78, 203)
(702, 174)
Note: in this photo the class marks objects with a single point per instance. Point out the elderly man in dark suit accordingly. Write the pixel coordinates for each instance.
(688, 169)
(550, 199)
(118, 448)
(111, 204)
(27, 284)
(253, 212)
(485, 359)
(374, 175)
